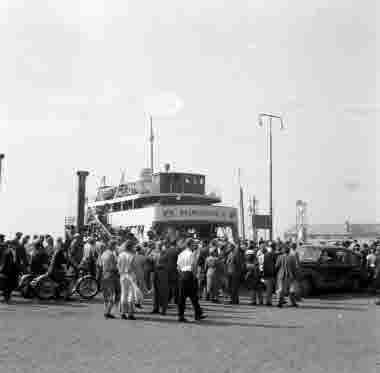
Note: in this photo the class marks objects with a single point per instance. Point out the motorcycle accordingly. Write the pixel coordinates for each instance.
(3, 280)
(24, 286)
(45, 288)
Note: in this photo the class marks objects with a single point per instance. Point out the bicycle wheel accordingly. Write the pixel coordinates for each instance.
(87, 287)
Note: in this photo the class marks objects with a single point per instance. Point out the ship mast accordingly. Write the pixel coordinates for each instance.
(151, 139)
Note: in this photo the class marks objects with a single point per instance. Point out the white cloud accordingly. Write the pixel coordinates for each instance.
(359, 111)
(163, 104)
(293, 105)
(352, 185)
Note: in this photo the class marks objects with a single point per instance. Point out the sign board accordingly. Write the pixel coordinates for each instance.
(215, 214)
(262, 221)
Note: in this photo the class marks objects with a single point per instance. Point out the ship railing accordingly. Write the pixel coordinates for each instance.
(104, 228)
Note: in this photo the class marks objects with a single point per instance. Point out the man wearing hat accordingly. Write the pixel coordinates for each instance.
(187, 282)
(20, 251)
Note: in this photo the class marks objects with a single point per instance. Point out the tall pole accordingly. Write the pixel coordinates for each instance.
(253, 206)
(151, 139)
(242, 213)
(270, 181)
(1, 165)
(270, 117)
(241, 207)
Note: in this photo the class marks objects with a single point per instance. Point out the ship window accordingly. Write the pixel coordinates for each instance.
(187, 180)
(155, 179)
(116, 207)
(195, 180)
(202, 180)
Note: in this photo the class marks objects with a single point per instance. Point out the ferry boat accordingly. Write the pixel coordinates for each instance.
(166, 203)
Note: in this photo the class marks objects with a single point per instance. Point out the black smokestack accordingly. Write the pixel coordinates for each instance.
(82, 175)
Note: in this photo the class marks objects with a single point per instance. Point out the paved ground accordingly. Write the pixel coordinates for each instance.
(333, 334)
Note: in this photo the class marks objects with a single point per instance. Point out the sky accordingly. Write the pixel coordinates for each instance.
(79, 79)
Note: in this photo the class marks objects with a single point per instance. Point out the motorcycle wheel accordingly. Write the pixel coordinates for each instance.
(45, 289)
(68, 289)
(26, 291)
(87, 287)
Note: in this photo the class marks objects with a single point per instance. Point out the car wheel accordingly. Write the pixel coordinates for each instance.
(306, 287)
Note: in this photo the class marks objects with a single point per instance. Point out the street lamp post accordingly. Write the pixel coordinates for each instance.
(261, 123)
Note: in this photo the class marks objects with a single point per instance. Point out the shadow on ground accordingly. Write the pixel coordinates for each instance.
(210, 321)
(32, 303)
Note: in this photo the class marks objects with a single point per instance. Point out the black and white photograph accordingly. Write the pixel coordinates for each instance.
(189, 186)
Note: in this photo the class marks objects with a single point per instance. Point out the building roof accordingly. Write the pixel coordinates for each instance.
(340, 229)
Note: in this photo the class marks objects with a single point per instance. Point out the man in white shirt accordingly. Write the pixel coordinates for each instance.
(89, 249)
(188, 282)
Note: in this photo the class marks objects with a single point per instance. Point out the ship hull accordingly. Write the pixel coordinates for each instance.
(172, 216)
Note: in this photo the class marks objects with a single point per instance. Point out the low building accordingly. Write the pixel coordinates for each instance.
(337, 231)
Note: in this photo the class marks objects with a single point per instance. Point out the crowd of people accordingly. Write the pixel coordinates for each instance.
(168, 270)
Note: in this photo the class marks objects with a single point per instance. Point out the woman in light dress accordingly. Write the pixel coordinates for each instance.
(130, 293)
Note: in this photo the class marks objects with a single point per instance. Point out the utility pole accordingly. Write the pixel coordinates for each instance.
(241, 207)
(2, 156)
(253, 217)
(151, 139)
(270, 144)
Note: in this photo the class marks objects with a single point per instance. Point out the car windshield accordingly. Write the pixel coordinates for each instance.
(309, 253)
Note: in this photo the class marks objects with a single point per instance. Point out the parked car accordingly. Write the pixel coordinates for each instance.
(330, 268)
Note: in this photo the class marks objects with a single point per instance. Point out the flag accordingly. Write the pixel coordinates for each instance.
(242, 222)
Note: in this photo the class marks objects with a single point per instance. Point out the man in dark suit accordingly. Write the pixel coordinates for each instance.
(268, 274)
(20, 251)
(9, 269)
(160, 279)
(234, 272)
(172, 255)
